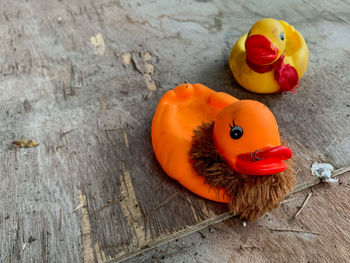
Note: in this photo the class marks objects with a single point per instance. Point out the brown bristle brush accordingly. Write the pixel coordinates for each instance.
(251, 196)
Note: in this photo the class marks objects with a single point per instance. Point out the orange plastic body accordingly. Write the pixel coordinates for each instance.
(179, 112)
(245, 133)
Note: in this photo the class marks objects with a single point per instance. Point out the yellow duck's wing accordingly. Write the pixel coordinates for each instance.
(237, 55)
(296, 51)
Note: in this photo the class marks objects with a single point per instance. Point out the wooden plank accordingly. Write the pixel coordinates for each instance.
(319, 234)
(83, 79)
(307, 186)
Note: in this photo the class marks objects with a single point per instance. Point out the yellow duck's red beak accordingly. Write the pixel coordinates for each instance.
(260, 50)
(262, 162)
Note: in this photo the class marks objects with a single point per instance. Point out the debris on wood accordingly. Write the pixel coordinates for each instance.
(289, 200)
(303, 205)
(66, 132)
(31, 239)
(60, 222)
(22, 143)
(60, 147)
(244, 223)
(324, 172)
(24, 246)
(77, 208)
(294, 231)
(317, 180)
(109, 203)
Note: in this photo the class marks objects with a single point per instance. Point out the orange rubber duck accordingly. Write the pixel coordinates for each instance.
(243, 132)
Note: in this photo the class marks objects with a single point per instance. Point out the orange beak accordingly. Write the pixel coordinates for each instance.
(260, 50)
(262, 162)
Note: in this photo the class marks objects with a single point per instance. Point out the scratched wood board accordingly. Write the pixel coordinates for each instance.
(317, 233)
(83, 80)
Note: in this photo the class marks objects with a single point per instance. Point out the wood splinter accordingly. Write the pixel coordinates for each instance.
(304, 204)
(294, 231)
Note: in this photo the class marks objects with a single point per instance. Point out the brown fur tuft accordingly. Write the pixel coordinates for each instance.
(251, 196)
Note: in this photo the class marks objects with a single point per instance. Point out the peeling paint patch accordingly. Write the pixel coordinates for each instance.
(147, 56)
(126, 59)
(126, 140)
(101, 257)
(98, 44)
(86, 230)
(149, 70)
(150, 84)
(131, 209)
(143, 64)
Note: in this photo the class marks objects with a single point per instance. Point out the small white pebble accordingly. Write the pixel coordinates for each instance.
(244, 223)
(324, 172)
(331, 180)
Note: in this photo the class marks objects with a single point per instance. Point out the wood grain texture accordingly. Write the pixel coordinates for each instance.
(83, 79)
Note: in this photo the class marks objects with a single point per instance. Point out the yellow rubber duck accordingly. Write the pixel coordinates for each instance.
(270, 58)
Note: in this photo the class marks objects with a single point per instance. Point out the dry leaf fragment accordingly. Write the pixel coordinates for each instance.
(22, 143)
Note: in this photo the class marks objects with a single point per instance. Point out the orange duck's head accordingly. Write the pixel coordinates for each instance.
(246, 135)
(265, 42)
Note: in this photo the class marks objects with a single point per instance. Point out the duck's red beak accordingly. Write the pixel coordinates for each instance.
(260, 50)
(263, 162)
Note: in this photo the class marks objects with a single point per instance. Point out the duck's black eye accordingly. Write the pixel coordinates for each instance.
(282, 36)
(236, 132)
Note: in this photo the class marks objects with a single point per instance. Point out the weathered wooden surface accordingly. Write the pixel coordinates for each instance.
(319, 234)
(83, 79)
